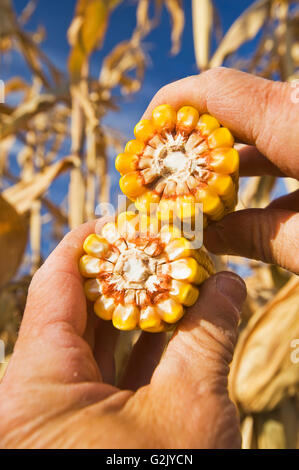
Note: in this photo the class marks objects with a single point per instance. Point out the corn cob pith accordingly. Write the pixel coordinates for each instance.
(142, 276)
(179, 159)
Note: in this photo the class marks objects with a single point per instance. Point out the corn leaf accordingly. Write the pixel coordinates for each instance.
(87, 31)
(13, 238)
(22, 194)
(202, 16)
(263, 372)
(243, 29)
(178, 21)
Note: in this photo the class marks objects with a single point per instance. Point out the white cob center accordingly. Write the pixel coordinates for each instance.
(135, 267)
(175, 161)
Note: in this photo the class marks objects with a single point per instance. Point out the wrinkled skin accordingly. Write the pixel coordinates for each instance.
(58, 390)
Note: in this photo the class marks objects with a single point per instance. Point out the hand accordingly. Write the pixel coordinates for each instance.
(264, 114)
(58, 390)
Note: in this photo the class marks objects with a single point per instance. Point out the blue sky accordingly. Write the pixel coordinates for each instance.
(162, 68)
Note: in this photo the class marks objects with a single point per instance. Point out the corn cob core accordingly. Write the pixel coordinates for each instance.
(140, 276)
(177, 160)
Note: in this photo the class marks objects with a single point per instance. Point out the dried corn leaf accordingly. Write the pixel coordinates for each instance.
(22, 194)
(270, 431)
(202, 16)
(242, 30)
(247, 432)
(76, 198)
(27, 11)
(21, 116)
(5, 146)
(35, 234)
(290, 418)
(257, 192)
(3, 366)
(13, 238)
(125, 57)
(263, 372)
(87, 31)
(291, 184)
(178, 21)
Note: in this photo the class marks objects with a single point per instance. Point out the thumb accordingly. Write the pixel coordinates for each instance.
(193, 371)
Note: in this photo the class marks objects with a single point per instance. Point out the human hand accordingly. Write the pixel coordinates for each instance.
(264, 114)
(58, 391)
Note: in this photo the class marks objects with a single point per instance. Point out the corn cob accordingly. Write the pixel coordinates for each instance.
(179, 159)
(141, 276)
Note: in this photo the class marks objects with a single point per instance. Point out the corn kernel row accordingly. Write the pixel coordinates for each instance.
(139, 279)
(177, 160)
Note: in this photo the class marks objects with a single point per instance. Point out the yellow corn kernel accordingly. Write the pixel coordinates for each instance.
(187, 118)
(222, 184)
(183, 292)
(127, 224)
(126, 162)
(225, 160)
(131, 184)
(187, 269)
(166, 209)
(134, 146)
(153, 274)
(92, 289)
(169, 232)
(164, 118)
(144, 130)
(211, 202)
(95, 245)
(147, 202)
(91, 267)
(125, 217)
(220, 138)
(104, 307)
(178, 248)
(185, 206)
(207, 124)
(150, 320)
(204, 260)
(148, 225)
(126, 317)
(170, 310)
(109, 231)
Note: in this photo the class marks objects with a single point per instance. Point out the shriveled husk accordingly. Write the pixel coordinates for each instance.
(264, 371)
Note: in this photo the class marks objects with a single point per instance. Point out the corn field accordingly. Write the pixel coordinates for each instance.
(52, 108)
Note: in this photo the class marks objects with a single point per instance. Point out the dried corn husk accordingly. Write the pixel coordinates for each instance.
(263, 373)
(13, 239)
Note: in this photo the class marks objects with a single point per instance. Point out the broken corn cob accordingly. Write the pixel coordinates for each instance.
(141, 277)
(177, 160)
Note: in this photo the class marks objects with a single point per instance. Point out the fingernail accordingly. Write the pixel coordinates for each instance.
(232, 287)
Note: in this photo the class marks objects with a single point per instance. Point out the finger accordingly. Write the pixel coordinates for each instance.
(269, 235)
(56, 288)
(257, 111)
(288, 202)
(143, 360)
(253, 163)
(55, 293)
(55, 318)
(191, 379)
